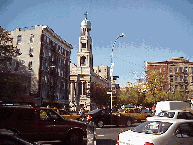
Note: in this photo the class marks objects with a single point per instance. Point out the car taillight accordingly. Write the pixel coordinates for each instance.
(89, 117)
(147, 143)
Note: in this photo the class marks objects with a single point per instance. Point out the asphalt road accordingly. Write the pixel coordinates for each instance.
(105, 136)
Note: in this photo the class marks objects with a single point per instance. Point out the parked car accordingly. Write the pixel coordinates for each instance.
(160, 132)
(67, 115)
(136, 113)
(38, 123)
(8, 137)
(172, 114)
(103, 117)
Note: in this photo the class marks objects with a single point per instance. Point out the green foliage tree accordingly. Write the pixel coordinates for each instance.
(99, 94)
(7, 50)
(132, 95)
(156, 82)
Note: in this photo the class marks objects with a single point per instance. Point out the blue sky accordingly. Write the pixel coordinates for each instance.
(155, 30)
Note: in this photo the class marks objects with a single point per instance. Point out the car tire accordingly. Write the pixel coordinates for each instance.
(128, 123)
(100, 124)
(74, 138)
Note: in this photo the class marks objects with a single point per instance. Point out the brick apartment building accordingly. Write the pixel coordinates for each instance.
(179, 74)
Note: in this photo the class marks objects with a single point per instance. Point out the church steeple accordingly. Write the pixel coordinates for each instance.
(84, 56)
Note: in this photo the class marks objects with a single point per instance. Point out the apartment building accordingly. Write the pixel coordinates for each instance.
(179, 74)
(45, 58)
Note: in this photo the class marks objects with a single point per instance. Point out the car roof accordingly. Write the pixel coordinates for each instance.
(173, 120)
(175, 111)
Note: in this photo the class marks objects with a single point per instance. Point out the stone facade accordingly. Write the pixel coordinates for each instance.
(45, 57)
(82, 75)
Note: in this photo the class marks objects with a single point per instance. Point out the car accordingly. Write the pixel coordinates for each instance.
(159, 132)
(136, 113)
(102, 117)
(172, 114)
(8, 137)
(67, 115)
(41, 124)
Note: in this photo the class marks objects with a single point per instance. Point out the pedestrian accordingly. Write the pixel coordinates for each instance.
(81, 111)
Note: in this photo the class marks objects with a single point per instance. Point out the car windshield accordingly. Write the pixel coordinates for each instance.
(166, 114)
(152, 127)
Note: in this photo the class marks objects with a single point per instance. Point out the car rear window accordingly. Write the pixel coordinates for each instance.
(166, 114)
(152, 127)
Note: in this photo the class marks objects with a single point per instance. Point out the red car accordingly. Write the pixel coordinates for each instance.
(41, 124)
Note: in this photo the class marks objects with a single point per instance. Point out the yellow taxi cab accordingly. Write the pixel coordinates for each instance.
(67, 115)
(136, 113)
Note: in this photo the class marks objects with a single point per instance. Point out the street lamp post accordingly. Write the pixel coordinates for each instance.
(112, 63)
(111, 73)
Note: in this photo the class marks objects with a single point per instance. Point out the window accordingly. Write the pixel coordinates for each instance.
(176, 87)
(184, 130)
(181, 78)
(31, 51)
(171, 78)
(185, 69)
(18, 39)
(185, 78)
(176, 78)
(164, 70)
(31, 38)
(180, 69)
(186, 87)
(48, 115)
(170, 69)
(192, 69)
(83, 45)
(30, 65)
(47, 40)
(176, 69)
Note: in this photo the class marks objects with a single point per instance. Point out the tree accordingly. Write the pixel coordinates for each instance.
(6, 47)
(7, 51)
(156, 82)
(99, 94)
(132, 95)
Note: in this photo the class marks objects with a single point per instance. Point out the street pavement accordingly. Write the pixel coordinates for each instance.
(105, 136)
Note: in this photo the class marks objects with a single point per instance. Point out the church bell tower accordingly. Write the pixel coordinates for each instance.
(84, 55)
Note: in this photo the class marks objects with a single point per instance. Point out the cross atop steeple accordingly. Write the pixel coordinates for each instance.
(86, 15)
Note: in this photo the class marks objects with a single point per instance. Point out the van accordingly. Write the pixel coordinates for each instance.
(171, 105)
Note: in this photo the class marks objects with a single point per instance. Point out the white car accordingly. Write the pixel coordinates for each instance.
(162, 132)
(172, 114)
